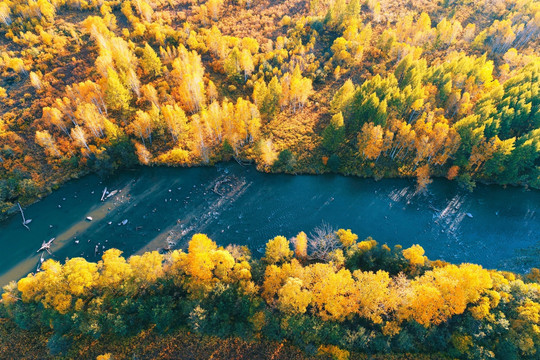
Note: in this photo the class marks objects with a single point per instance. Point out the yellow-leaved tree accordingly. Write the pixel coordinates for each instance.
(300, 245)
(113, 270)
(415, 255)
(294, 298)
(277, 250)
(335, 294)
(346, 237)
(443, 292)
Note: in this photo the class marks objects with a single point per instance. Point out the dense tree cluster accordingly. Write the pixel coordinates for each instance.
(362, 298)
(366, 88)
(495, 138)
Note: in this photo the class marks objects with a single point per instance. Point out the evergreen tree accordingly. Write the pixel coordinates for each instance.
(334, 134)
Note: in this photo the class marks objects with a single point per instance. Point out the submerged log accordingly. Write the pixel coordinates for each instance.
(243, 162)
(219, 183)
(24, 222)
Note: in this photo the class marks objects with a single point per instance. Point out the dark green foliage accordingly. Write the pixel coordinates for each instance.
(26, 316)
(334, 162)
(285, 161)
(226, 312)
(437, 339)
(163, 313)
(380, 344)
(390, 260)
(403, 342)
(272, 328)
(227, 151)
(59, 345)
(334, 134)
(506, 350)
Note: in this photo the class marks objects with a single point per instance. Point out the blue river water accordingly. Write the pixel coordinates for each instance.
(160, 208)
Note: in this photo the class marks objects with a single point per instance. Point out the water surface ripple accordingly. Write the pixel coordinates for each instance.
(493, 226)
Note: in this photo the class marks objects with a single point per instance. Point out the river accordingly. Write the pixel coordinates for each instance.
(492, 226)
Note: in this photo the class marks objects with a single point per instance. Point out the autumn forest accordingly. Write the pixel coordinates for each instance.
(375, 88)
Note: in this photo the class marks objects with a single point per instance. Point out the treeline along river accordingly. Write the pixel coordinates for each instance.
(160, 208)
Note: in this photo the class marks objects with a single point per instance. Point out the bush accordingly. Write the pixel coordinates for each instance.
(59, 345)
(334, 162)
(285, 161)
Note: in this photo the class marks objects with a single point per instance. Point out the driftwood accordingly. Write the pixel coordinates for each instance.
(242, 162)
(24, 222)
(104, 193)
(219, 183)
(238, 161)
(41, 260)
(46, 246)
(434, 208)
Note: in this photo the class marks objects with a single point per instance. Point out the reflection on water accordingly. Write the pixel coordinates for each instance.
(161, 208)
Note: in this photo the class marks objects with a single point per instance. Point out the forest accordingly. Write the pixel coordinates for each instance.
(372, 88)
(327, 294)
(366, 88)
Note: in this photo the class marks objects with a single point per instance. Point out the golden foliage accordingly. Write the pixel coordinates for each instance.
(334, 293)
(300, 245)
(293, 298)
(346, 237)
(377, 297)
(415, 255)
(334, 352)
(277, 250)
(443, 292)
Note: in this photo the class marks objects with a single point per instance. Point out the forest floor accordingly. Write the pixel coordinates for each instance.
(178, 345)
